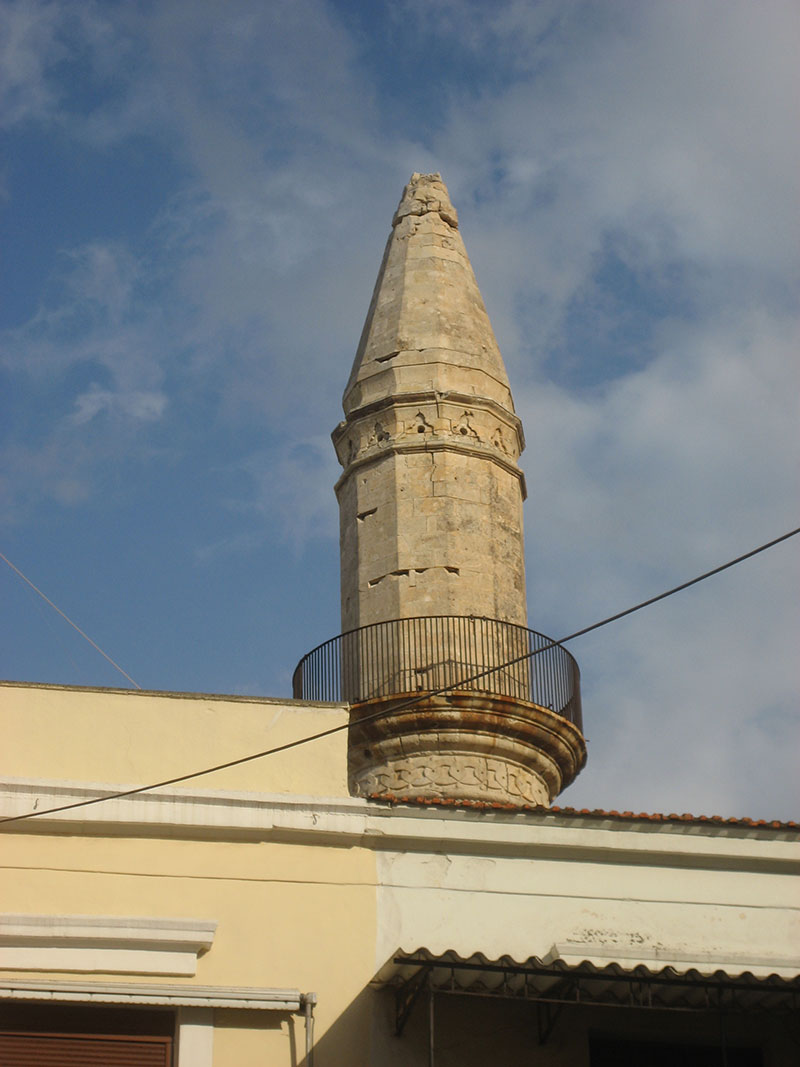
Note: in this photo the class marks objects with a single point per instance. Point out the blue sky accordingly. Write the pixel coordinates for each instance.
(195, 198)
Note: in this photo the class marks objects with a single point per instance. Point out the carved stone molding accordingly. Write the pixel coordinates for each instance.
(463, 746)
(461, 775)
(422, 419)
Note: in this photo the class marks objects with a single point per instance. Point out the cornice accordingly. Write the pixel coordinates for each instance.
(111, 944)
(479, 451)
(412, 398)
(356, 822)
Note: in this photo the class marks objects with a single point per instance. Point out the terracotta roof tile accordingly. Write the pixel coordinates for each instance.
(593, 813)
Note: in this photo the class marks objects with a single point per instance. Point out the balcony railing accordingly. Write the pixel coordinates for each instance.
(438, 652)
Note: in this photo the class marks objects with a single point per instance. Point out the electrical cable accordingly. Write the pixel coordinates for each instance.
(408, 703)
(69, 620)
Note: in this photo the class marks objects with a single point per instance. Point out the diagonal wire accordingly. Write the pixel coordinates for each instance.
(74, 626)
(408, 703)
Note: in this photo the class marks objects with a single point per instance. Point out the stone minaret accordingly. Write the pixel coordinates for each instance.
(432, 554)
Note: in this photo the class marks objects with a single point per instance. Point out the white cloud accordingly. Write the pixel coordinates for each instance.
(95, 320)
(95, 347)
(46, 48)
(28, 44)
(699, 442)
(292, 488)
(136, 404)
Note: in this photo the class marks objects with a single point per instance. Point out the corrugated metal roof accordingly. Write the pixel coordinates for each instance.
(591, 813)
(557, 981)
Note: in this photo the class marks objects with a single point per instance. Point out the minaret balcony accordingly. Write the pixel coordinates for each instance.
(454, 707)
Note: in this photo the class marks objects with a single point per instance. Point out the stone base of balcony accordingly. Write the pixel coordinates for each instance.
(463, 746)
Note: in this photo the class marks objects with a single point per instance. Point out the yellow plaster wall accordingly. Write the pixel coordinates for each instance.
(289, 916)
(132, 737)
(258, 1039)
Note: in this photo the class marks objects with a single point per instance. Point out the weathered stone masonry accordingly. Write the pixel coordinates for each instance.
(431, 494)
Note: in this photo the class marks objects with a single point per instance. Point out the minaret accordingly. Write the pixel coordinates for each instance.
(432, 553)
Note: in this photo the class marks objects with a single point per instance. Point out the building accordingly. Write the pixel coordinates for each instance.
(399, 890)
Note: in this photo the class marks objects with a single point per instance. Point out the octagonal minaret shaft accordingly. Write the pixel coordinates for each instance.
(431, 495)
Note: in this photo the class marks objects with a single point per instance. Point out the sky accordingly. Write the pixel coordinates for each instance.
(195, 197)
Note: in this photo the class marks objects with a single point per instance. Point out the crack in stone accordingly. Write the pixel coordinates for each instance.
(406, 572)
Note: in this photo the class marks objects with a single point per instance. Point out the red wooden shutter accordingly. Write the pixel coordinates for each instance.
(83, 1050)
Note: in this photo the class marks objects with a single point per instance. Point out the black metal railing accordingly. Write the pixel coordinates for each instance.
(435, 652)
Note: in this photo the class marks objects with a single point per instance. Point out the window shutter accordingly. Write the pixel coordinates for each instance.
(83, 1050)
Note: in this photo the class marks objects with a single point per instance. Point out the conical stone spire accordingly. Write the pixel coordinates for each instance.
(427, 324)
(431, 494)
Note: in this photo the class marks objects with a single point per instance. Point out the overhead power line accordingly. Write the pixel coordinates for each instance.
(408, 703)
(74, 625)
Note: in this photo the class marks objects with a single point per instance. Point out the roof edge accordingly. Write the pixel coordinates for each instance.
(594, 814)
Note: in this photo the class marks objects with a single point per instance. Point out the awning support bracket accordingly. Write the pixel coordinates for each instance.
(407, 995)
(546, 1018)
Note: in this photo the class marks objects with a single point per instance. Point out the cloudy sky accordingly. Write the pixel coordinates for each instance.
(195, 199)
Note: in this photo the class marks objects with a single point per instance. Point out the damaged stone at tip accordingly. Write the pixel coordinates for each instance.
(423, 194)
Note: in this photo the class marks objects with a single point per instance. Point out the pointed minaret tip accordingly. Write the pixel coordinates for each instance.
(425, 193)
(426, 329)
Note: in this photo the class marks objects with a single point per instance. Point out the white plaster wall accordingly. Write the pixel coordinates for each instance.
(523, 906)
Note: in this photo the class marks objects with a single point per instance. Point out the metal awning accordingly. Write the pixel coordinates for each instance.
(145, 993)
(556, 982)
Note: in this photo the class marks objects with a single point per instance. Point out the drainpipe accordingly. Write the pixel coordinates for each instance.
(307, 1002)
(430, 1024)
